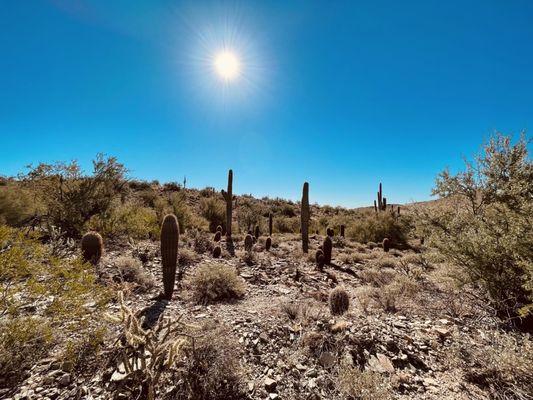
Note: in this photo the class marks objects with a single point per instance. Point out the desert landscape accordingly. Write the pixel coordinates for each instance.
(296, 301)
(266, 200)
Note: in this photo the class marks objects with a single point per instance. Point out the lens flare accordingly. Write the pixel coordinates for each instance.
(227, 65)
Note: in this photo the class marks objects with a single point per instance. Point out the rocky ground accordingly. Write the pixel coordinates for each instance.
(406, 328)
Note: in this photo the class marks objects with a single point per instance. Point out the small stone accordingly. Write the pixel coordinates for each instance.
(270, 384)
(64, 380)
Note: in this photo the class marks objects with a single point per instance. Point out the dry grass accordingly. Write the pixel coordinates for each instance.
(356, 384)
(215, 282)
(131, 270)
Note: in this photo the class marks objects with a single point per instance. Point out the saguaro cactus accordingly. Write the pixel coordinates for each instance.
(257, 232)
(92, 247)
(342, 230)
(269, 224)
(327, 247)
(228, 196)
(305, 216)
(170, 235)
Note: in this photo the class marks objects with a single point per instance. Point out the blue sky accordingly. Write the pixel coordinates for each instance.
(341, 94)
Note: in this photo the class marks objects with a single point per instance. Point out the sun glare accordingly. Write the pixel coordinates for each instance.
(227, 65)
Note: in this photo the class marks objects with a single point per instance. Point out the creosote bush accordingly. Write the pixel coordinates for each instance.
(215, 282)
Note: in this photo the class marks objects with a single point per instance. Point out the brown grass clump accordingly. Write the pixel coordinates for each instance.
(357, 384)
(213, 372)
(131, 270)
(187, 257)
(214, 282)
(339, 301)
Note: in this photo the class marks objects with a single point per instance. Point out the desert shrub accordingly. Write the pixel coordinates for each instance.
(286, 224)
(485, 225)
(248, 214)
(214, 282)
(72, 198)
(28, 274)
(501, 365)
(82, 351)
(23, 341)
(201, 241)
(357, 384)
(131, 270)
(213, 370)
(187, 257)
(17, 206)
(129, 220)
(138, 185)
(374, 227)
(214, 211)
(172, 187)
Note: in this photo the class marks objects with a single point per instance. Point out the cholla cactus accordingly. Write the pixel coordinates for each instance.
(144, 353)
(327, 247)
(170, 235)
(339, 302)
(92, 247)
(248, 243)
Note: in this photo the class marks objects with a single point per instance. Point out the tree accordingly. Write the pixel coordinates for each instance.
(487, 225)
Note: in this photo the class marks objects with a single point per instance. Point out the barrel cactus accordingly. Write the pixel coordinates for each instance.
(339, 301)
(330, 232)
(386, 244)
(217, 251)
(170, 235)
(319, 258)
(92, 247)
(248, 242)
(218, 236)
(268, 243)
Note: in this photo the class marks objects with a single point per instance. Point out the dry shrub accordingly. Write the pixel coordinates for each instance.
(214, 282)
(303, 312)
(187, 257)
(248, 257)
(213, 370)
(385, 262)
(503, 366)
(352, 258)
(131, 270)
(202, 241)
(23, 341)
(377, 278)
(387, 296)
(356, 384)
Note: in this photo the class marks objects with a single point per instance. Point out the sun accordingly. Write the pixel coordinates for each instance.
(227, 65)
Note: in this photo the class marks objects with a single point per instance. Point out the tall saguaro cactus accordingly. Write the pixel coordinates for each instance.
(170, 235)
(228, 196)
(305, 216)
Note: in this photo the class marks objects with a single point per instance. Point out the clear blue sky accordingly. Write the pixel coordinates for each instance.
(341, 94)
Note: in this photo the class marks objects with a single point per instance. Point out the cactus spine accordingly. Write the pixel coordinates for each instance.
(92, 247)
(228, 196)
(305, 216)
(170, 235)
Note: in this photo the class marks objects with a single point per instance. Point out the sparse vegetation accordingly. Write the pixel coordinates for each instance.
(215, 282)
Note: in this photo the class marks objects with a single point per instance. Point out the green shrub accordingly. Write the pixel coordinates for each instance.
(215, 282)
(485, 225)
(17, 206)
(374, 227)
(214, 211)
